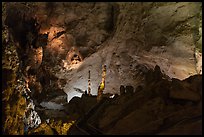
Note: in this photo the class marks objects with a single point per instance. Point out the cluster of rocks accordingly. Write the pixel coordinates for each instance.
(157, 107)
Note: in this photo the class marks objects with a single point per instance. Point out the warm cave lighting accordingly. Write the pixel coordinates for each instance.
(75, 66)
(71, 66)
(102, 68)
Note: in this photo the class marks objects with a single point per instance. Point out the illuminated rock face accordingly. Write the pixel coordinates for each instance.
(73, 56)
(59, 43)
(148, 39)
(159, 106)
(114, 35)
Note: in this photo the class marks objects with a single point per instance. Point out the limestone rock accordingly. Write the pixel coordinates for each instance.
(180, 91)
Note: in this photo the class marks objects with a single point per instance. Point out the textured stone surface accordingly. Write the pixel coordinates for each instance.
(142, 114)
(52, 46)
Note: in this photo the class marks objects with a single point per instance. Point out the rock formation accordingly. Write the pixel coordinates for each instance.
(152, 52)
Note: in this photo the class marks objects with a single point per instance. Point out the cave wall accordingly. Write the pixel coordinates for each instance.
(166, 34)
(143, 34)
(129, 38)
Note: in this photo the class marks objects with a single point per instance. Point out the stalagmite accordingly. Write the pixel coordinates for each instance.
(102, 84)
(89, 84)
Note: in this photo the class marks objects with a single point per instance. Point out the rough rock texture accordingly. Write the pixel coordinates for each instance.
(188, 92)
(139, 38)
(13, 104)
(84, 36)
(56, 44)
(151, 110)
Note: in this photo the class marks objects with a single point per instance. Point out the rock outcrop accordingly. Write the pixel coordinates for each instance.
(152, 53)
(152, 110)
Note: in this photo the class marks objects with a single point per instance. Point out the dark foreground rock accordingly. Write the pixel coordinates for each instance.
(156, 109)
